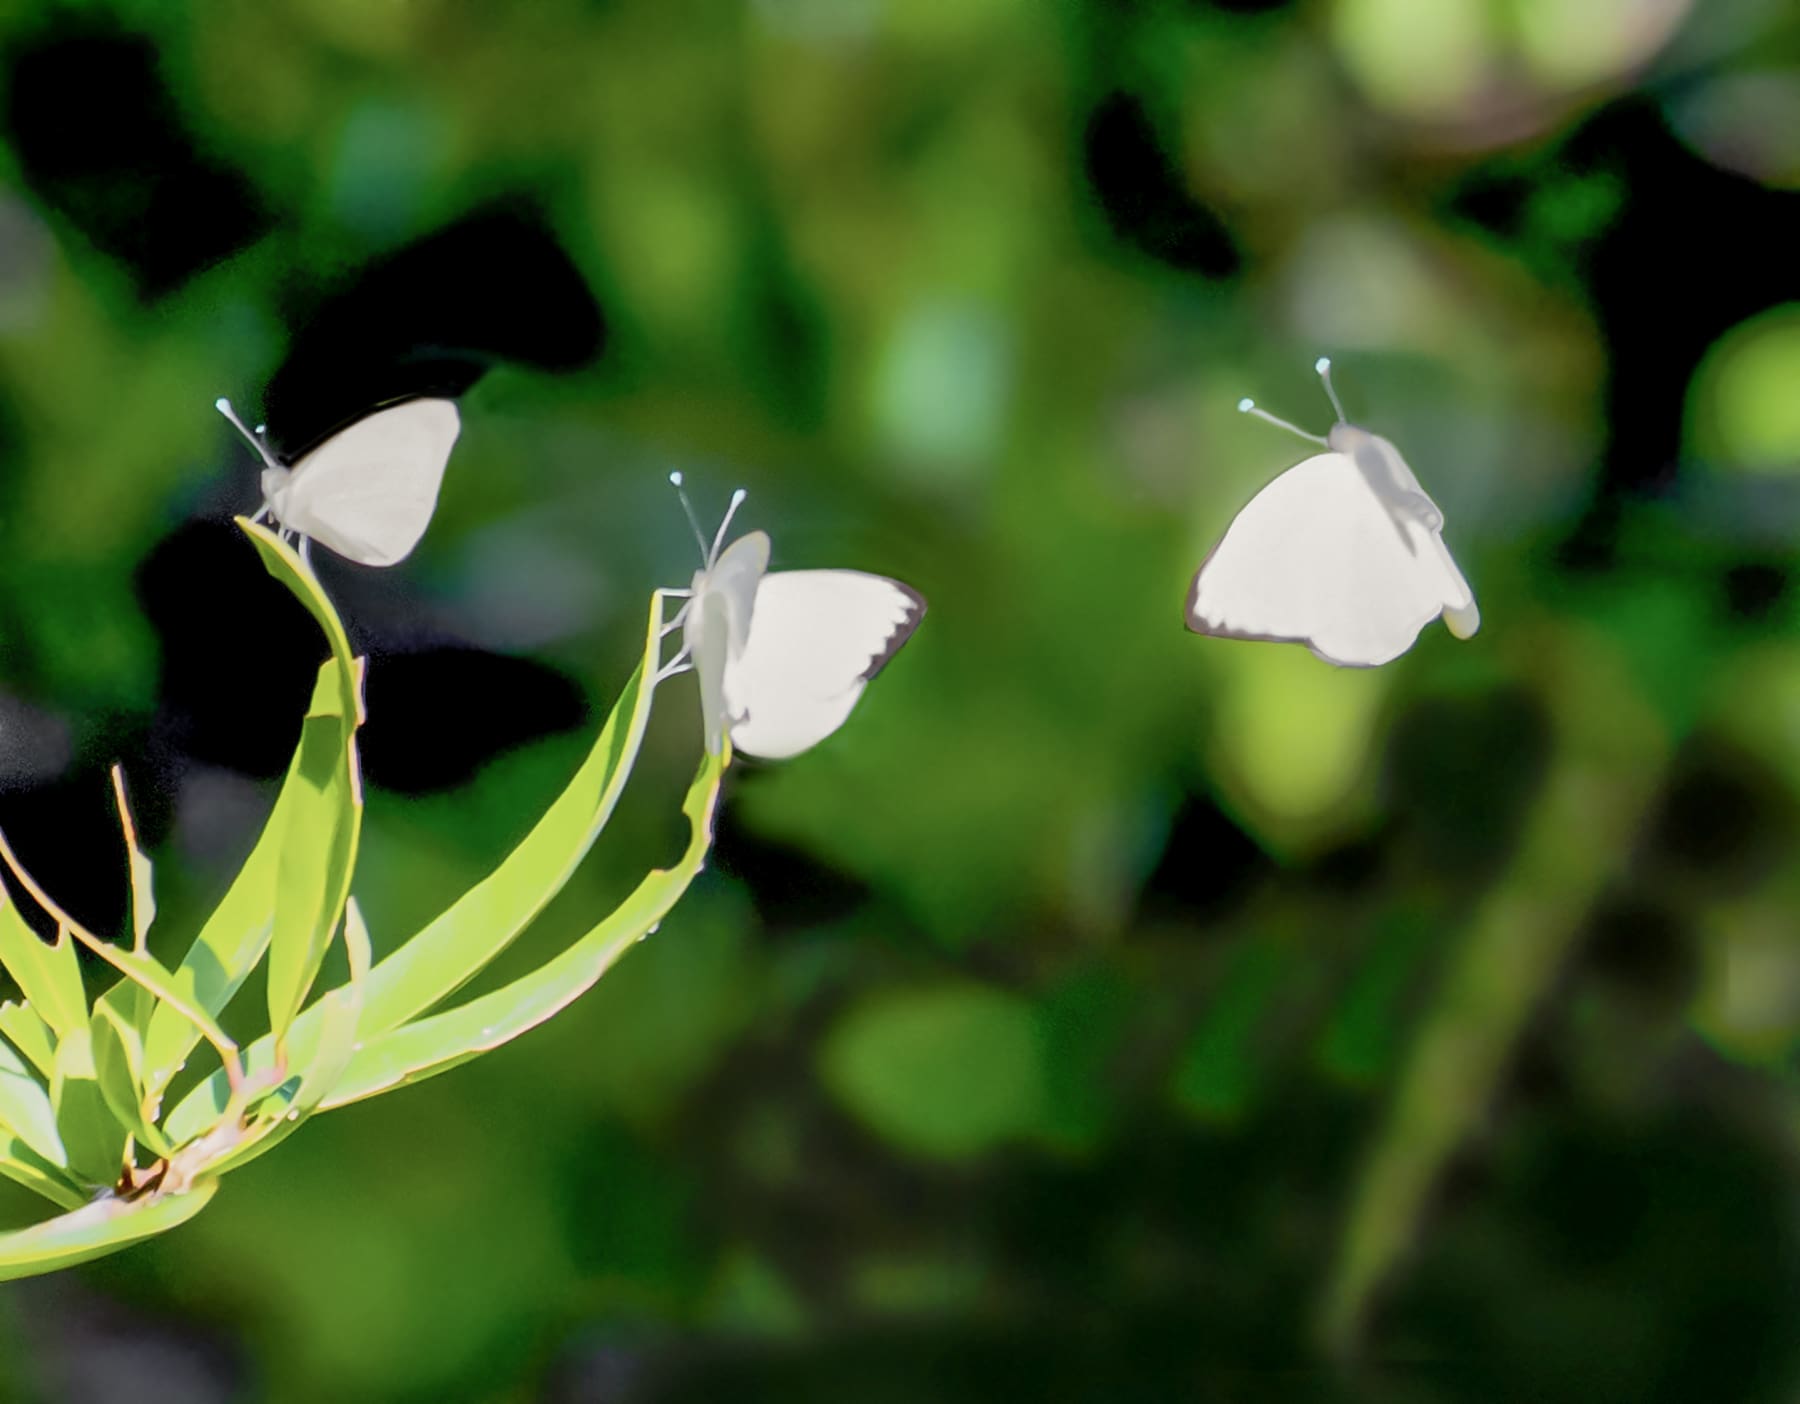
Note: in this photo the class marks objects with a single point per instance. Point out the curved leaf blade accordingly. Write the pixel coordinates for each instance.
(48, 975)
(440, 1042)
(238, 933)
(25, 1028)
(90, 1133)
(26, 1111)
(480, 925)
(97, 1229)
(24, 1166)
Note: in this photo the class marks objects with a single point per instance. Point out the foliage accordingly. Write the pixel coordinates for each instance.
(81, 1104)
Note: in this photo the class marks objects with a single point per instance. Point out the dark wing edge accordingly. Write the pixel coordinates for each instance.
(902, 632)
(1198, 623)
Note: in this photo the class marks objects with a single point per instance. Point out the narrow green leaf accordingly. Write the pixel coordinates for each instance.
(478, 926)
(25, 1109)
(29, 1034)
(318, 850)
(481, 924)
(91, 1134)
(280, 560)
(238, 933)
(24, 1166)
(119, 1065)
(440, 1042)
(143, 890)
(49, 975)
(172, 988)
(128, 1000)
(97, 1229)
(324, 1068)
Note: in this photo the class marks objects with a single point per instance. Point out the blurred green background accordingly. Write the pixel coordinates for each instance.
(1105, 1012)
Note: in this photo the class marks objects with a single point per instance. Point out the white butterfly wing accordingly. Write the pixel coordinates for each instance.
(817, 638)
(368, 492)
(1318, 557)
(719, 617)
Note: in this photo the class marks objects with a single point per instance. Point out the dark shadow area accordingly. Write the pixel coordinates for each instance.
(1138, 186)
(100, 141)
(430, 319)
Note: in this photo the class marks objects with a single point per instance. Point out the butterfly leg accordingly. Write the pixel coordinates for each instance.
(306, 550)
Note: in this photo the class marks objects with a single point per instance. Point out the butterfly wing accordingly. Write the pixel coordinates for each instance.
(1318, 557)
(817, 638)
(368, 492)
(719, 618)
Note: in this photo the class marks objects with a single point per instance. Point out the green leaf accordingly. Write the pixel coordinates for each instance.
(24, 1166)
(319, 837)
(237, 934)
(317, 852)
(119, 1065)
(174, 989)
(25, 1109)
(482, 923)
(91, 1134)
(461, 941)
(439, 1042)
(339, 1012)
(29, 1034)
(49, 975)
(143, 890)
(949, 1071)
(96, 1229)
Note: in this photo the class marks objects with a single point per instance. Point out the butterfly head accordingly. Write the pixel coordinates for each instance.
(709, 555)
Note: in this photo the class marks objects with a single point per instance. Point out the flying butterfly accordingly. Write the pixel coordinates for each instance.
(1343, 552)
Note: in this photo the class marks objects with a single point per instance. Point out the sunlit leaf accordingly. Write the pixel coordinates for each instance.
(439, 1042)
(49, 975)
(482, 923)
(28, 1032)
(96, 1229)
(143, 889)
(239, 931)
(119, 1066)
(326, 1062)
(318, 849)
(24, 1166)
(25, 1109)
(460, 942)
(90, 1133)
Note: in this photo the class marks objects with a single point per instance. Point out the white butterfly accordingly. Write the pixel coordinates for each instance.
(782, 657)
(1343, 552)
(368, 491)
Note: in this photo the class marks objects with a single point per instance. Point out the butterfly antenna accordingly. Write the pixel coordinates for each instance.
(1323, 367)
(737, 501)
(223, 406)
(675, 481)
(1249, 406)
